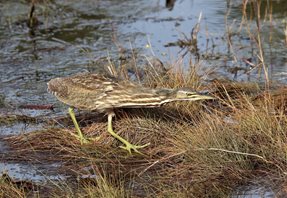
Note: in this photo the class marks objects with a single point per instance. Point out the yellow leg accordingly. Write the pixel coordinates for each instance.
(128, 146)
(80, 134)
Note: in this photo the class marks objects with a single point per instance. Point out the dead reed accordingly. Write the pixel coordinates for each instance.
(197, 149)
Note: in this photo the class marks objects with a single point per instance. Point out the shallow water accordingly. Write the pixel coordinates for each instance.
(254, 192)
(31, 173)
(74, 34)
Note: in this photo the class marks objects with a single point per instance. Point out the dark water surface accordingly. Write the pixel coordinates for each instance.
(73, 35)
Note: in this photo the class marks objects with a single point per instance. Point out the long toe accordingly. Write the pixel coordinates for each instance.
(83, 140)
(94, 139)
(129, 147)
(86, 140)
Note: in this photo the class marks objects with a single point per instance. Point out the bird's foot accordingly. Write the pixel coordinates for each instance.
(86, 140)
(89, 140)
(129, 147)
(94, 139)
(83, 140)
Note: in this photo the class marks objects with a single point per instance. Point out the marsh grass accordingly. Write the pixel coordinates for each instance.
(10, 188)
(198, 149)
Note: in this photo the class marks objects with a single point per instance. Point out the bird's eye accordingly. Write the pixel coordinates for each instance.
(189, 94)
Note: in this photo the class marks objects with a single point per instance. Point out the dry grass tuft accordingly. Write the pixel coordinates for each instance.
(9, 188)
(198, 149)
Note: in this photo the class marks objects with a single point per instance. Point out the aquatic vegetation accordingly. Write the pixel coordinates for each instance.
(204, 149)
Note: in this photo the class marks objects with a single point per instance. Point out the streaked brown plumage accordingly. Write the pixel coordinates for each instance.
(96, 92)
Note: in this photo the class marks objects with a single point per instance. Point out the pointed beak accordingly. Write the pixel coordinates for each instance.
(203, 95)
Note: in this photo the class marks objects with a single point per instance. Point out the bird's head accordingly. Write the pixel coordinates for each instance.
(191, 95)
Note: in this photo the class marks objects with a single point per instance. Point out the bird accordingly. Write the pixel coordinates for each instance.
(105, 93)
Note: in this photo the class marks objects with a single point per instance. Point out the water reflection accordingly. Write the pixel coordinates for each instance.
(100, 27)
(72, 34)
(26, 172)
(254, 192)
(170, 4)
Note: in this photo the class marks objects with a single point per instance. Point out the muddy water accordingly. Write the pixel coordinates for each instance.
(72, 35)
(255, 191)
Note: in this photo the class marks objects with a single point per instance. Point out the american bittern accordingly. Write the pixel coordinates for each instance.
(96, 92)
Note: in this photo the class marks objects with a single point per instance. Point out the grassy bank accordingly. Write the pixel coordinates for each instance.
(198, 149)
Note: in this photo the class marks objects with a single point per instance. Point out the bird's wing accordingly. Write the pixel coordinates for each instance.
(96, 82)
(93, 91)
